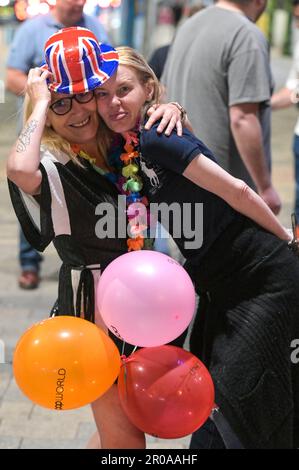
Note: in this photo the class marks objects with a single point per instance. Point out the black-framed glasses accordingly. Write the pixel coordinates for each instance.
(64, 105)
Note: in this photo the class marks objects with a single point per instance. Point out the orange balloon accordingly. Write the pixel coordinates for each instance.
(65, 362)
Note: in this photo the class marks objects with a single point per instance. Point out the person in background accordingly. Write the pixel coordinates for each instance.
(222, 76)
(288, 96)
(165, 25)
(164, 242)
(26, 52)
(159, 56)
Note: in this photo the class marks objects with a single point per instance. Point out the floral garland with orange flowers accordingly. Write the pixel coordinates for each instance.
(132, 187)
(130, 184)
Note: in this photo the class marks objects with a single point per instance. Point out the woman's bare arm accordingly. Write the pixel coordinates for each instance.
(210, 176)
(24, 159)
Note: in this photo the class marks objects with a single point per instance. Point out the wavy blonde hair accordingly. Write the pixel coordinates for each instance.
(145, 74)
(133, 59)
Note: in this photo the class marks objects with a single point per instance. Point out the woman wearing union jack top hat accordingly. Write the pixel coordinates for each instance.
(57, 174)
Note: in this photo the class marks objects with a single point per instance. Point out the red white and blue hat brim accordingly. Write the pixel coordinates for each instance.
(94, 73)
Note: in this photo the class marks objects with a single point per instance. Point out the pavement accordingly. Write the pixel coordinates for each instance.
(24, 425)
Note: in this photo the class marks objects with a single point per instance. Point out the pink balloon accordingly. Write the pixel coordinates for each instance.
(146, 298)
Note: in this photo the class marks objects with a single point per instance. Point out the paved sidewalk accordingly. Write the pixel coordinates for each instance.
(22, 424)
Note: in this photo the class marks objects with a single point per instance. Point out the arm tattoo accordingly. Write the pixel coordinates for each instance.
(24, 138)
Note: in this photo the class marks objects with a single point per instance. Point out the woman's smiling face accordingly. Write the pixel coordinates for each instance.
(79, 125)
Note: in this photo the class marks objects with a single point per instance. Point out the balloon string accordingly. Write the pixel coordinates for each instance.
(123, 348)
(134, 349)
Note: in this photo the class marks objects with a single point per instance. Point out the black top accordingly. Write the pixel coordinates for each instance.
(65, 212)
(158, 60)
(83, 190)
(163, 160)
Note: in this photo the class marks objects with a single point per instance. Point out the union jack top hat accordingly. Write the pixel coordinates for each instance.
(77, 61)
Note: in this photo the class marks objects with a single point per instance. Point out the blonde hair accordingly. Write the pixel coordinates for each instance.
(133, 59)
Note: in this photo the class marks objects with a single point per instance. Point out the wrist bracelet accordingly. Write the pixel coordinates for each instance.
(181, 109)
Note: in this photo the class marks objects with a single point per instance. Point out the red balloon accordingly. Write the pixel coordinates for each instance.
(165, 391)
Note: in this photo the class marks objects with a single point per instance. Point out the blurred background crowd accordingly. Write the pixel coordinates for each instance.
(133, 22)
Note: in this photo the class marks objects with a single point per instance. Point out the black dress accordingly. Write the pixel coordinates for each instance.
(65, 213)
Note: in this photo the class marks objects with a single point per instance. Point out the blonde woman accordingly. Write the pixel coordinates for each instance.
(245, 273)
(58, 178)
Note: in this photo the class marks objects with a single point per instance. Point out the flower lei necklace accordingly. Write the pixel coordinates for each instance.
(129, 183)
(132, 187)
